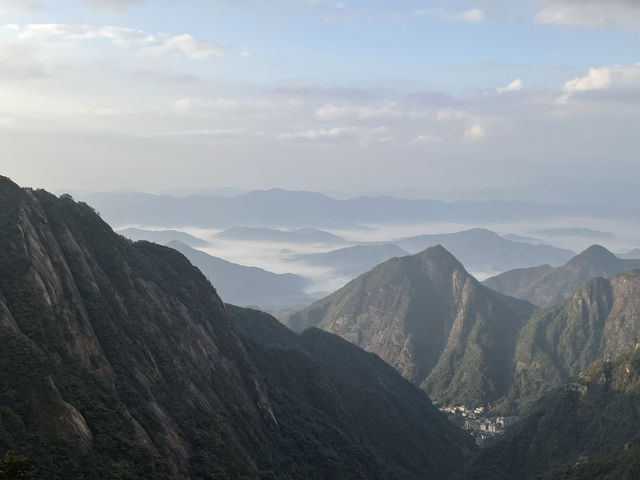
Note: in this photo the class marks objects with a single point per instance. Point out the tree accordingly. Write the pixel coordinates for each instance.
(13, 467)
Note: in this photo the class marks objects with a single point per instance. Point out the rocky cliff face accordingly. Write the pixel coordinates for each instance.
(122, 348)
(427, 317)
(118, 361)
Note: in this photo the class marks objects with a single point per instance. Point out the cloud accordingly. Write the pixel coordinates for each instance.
(596, 79)
(591, 13)
(18, 6)
(352, 134)
(207, 107)
(427, 139)
(386, 109)
(149, 45)
(113, 5)
(186, 44)
(475, 132)
(474, 15)
(18, 62)
(514, 86)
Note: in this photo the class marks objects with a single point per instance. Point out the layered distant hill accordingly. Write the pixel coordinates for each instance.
(483, 250)
(431, 320)
(274, 208)
(163, 237)
(248, 286)
(118, 360)
(545, 286)
(352, 261)
(587, 429)
(633, 254)
(302, 235)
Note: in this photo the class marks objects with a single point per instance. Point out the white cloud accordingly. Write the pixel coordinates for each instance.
(358, 135)
(474, 15)
(596, 79)
(18, 61)
(386, 109)
(514, 86)
(227, 106)
(186, 44)
(591, 13)
(427, 139)
(148, 45)
(475, 132)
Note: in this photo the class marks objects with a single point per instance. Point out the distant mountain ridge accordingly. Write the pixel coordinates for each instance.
(480, 249)
(301, 235)
(162, 237)
(545, 286)
(278, 207)
(352, 261)
(431, 320)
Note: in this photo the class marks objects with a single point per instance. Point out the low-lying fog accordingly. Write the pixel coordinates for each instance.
(575, 234)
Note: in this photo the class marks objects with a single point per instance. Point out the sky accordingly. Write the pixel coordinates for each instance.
(324, 95)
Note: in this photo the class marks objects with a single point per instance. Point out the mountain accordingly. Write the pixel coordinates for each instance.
(338, 390)
(576, 232)
(522, 239)
(544, 286)
(249, 286)
(427, 317)
(302, 235)
(163, 237)
(352, 261)
(277, 208)
(483, 250)
(589, 428)
(602, 320)
(118, 360)
(631, 255)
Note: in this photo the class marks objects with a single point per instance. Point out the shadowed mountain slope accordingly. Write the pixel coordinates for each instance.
(431, 320)
(340, 390)
(580, 431)
(544, 286)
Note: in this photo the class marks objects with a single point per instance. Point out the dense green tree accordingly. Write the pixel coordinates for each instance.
(13, 467)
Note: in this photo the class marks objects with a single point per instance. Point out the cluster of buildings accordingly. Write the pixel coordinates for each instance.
(479, 426)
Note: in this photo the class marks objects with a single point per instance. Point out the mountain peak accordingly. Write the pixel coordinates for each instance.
(595, 255)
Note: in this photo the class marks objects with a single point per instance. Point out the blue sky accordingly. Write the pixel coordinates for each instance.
(285, 93)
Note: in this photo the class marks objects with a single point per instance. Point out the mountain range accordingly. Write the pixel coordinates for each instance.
(119, 360)
(467, 344)
(301, 235)
(545, 286)
(276, 208)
